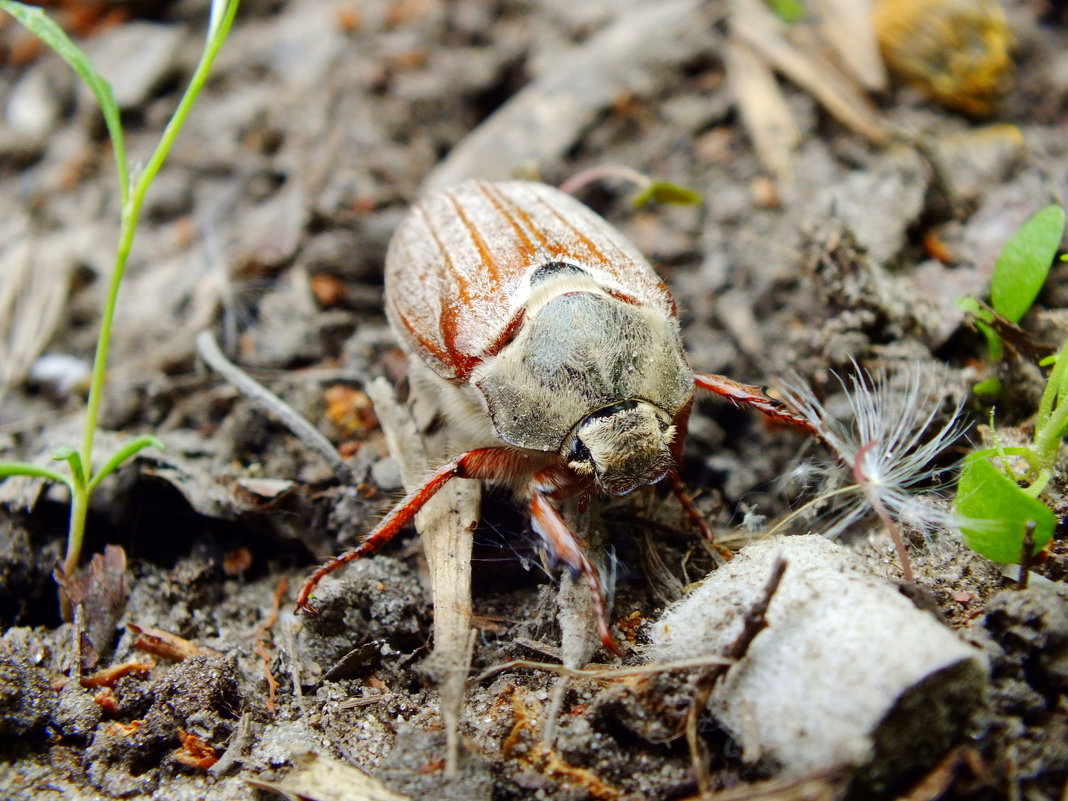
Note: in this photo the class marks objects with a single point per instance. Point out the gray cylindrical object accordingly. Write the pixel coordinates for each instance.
(848, 671)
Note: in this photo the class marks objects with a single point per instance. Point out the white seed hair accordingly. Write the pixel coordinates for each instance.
(887, 440)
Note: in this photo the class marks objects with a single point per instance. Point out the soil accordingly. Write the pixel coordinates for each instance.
(268, 226)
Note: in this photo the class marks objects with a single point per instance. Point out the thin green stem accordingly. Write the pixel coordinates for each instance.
(131, 209)
(118, 148)
(130, 213)
(215, 41)
(1053, 387)
(79, 509)
(1039, 484)
(1002, 454)
(1048, 435)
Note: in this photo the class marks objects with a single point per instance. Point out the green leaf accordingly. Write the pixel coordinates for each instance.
(9, 469)
(988, 386)
(122, 454)
(1024, 263)
(995, 512)
(666, 192)
(45, 29)
(789, 11)
(67, 454)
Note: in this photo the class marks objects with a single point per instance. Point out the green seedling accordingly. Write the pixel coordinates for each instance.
(648, 189)
(82, 480)
(667, 193)
(1019, 273)
(1000, 489)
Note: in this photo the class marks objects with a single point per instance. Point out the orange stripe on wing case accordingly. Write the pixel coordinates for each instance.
(484, 252)
(594, 251)
(525, 246)
(450, 267)
(426, 344)
(449, 323)
(553, 249)
(506, 335)
(463, 363)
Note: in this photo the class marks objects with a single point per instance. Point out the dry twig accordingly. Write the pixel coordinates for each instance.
(273, 405)
(755, 622)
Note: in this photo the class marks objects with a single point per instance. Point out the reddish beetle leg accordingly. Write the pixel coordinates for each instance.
(488, 464)
(740, 395)
(482, 463)
(748, 395)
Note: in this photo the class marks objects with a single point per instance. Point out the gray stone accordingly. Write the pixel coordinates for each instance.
(847, 672)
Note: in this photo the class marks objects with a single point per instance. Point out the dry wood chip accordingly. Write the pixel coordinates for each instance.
(164, 644)
(109, 676)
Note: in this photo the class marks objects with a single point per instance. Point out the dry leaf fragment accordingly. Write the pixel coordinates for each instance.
(164, 644)
(106, 700)
(753, 23)
(117, 728)
(847, 27)
(98, 598)
(318, 778)
(349, 409)
(763, 108)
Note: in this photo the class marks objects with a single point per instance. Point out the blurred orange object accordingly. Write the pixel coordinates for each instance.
(955, 51)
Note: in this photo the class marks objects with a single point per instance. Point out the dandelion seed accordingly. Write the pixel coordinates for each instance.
(888, 441)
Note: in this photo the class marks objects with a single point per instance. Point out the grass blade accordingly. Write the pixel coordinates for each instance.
(122, 454)
(10, 469)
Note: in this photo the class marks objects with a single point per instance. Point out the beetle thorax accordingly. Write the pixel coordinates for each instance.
(581, 351)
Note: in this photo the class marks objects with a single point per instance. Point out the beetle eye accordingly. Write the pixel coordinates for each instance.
(579, 452)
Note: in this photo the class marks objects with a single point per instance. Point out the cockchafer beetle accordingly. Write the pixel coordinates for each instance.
(555, 351)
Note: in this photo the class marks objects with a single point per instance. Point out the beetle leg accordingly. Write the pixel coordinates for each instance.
(484, 463)
(698, 520)
(550, 526)
(754, 396)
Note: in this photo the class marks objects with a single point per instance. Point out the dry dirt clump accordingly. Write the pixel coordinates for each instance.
(188, 674)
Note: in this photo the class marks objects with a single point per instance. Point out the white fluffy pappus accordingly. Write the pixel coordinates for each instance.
(888, 438)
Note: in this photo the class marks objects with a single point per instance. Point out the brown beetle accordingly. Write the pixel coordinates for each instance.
(555, 351)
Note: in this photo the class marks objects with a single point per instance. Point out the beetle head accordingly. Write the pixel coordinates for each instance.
(623, 446)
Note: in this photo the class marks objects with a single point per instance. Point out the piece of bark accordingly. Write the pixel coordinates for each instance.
(445, 525)
(848, 671)
(544, 120)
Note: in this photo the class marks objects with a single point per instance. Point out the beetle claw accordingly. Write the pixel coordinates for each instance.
(607, 640)
(303, 605)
